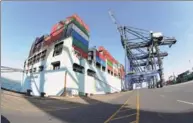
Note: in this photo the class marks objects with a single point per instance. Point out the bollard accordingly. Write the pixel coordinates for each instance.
(29, 92)
(42, 94)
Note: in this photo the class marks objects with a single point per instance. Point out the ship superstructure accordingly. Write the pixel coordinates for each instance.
(61, 63)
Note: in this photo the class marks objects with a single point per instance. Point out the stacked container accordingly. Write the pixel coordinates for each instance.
(103, 60)
(112, 63)
(57, 33)
(72, 26)
(100, 58)
(108, 57)
(80, 33)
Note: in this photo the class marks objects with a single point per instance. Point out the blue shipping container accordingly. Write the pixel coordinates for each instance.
(98, 59)
(79, 37)
(103, 63)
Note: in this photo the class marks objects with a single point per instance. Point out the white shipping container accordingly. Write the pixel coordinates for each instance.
(74, 27)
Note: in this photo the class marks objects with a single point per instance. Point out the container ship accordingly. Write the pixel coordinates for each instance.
(61, 63)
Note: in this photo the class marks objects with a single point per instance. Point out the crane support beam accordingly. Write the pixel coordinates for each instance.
(150, 56)
(147, 44)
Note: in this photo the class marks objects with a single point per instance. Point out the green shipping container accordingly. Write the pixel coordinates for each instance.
(80, 27)
(109, 63)
(80, 45)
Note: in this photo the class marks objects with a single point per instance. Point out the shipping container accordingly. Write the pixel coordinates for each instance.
(83, 54)
(98, 59)
(48, 40)
(105, 53)
(103, 63)
(101, 56)
(109, 68)
(109, 63)
(80, 32)
(80, 45)
(58, 34)
(56, 27)
(73, 33)
(79, 20)
(73, 21)
(78, 37)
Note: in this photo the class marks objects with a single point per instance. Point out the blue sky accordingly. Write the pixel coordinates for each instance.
(23, 21)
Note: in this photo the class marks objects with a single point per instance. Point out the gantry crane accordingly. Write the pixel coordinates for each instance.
(141, 50)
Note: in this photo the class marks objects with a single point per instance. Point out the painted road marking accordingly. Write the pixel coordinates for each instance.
(123, 117)
(137, 107)
(185, 102)
(116, 111)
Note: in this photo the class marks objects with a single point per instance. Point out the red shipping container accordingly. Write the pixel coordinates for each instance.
(101, 48)
(57, 26)
(101, 56)
(84, 55)
(80, 21)
(109, 68)
(47, 40)
(57, 34)
(106, 54)
(54, 28)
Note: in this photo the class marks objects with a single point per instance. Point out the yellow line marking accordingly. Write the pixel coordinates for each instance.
(116, 111)
(123, 116)
(137, 107)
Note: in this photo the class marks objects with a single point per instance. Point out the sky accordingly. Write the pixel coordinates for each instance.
(22, 22)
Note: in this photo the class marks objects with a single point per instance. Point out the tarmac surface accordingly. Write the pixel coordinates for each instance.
(170, 104)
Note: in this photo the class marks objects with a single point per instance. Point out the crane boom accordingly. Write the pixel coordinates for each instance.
(114, 20)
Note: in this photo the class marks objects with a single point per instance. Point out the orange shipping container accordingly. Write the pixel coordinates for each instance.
(57, 31)
(57, 26)
(80, 21)
(47, 40)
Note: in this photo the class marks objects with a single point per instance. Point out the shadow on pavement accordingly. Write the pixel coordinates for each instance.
(95, 111)
(4, 119)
